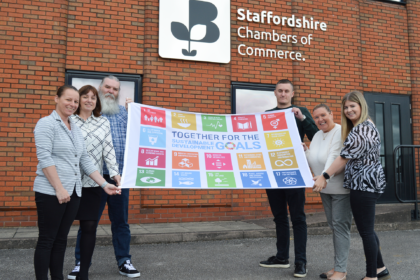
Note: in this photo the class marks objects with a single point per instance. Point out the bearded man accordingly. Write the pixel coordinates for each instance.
(109, 90)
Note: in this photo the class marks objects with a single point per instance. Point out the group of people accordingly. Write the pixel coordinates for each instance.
(88, 127)
(348, 175)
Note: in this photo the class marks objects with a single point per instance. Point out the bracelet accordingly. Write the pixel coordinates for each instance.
(104, 184)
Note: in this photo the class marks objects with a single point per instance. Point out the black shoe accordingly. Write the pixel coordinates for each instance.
(75, 272)
(300, 270)
(384, 275)
(275, 262)
(127, 269)
(323, 275)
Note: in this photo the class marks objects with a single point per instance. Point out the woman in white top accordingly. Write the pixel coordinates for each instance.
(98, 140)
(325, 148)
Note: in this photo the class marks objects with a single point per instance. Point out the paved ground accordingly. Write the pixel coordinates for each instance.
(388, 217)
(230, 259)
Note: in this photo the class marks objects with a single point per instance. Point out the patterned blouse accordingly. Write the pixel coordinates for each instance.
(364, 171)
(98, 140)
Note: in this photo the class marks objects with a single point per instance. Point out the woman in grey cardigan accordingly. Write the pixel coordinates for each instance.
(325, 148)
(61, 157)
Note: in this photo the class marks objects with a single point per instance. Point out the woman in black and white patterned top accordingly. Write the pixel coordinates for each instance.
(364, 176)
(364, 171)
(98, 140)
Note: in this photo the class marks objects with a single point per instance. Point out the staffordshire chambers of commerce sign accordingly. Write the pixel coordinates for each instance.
(200, 31)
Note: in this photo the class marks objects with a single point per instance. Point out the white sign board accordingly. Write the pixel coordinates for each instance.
(195, 30)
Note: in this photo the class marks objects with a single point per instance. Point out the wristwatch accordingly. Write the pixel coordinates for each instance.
(326, 176)
(304, 118)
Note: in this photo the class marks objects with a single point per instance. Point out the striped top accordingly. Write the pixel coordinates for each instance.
(98, 140)
(57, 145)
(364, 171)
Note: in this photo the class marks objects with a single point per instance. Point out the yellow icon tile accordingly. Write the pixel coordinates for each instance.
(278, 140)
(184, 121)
(251, 161)
(284, 159)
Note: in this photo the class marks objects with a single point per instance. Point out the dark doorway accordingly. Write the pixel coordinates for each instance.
(392, 116)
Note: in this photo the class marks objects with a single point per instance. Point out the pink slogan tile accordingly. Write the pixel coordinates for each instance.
(153, 117)
(218, 161)
(244, 123)
(152, 158)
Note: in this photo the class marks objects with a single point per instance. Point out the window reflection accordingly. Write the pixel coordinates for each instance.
(396, 132)
(254, 101)
(126, 90)
(379, 117)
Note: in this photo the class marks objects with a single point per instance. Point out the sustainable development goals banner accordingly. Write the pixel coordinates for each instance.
(184, 150)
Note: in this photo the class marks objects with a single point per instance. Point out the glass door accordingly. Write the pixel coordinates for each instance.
(392, 115)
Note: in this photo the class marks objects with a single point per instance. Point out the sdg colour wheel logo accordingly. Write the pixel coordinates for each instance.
(195, 30)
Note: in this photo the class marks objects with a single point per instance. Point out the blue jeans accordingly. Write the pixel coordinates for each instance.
(118, 214)
(295, 198)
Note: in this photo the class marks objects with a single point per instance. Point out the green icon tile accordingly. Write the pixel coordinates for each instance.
(214, 123)
(221, 180)
(150, 178)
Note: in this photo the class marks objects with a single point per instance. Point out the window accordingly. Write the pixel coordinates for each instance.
(252, 98)
(130, 84)
(402, 2)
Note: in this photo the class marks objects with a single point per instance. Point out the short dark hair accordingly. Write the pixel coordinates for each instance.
(85, 90)
(285, 81)
(322, 105)
(61, 89)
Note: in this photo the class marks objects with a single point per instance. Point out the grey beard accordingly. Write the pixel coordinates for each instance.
(109, 106)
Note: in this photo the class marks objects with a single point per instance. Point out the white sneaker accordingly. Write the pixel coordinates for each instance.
(127, 269)
(73, 274)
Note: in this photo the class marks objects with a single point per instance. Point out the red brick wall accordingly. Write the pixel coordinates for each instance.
(369, 46)
(32, 64)
(413, 12)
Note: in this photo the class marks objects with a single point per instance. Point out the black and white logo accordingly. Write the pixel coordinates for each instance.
(195, 30)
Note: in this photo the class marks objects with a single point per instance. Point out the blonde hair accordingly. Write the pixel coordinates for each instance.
(346, 124)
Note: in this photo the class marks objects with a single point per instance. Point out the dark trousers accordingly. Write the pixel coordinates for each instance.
(295, 198)
(118, 214)
(54, 221)
(363, 207)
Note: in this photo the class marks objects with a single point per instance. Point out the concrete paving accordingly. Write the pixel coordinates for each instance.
(229, 259)
(388, 217)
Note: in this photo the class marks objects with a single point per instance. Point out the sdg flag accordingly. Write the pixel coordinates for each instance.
(183, 150)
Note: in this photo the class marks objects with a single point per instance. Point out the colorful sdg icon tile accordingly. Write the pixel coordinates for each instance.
(150, 177)
(221, 180)
(184, 121)
(278, 140)
(186, 179)
(289, 179)
(254, 180)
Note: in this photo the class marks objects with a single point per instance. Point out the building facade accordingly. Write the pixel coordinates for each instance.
(326, 48)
